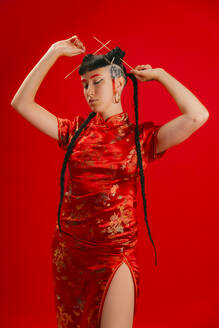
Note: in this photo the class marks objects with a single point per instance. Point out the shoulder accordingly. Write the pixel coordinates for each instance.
(144, 127)
(77, 119)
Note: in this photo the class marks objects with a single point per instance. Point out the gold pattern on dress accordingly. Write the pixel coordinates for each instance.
(113, 189)
(132, 155)
(115, 225)
(103, 198)
(119, 220)
(77, 125)
(112, 141)
(122, 130)
(63, 318)
(58, 256)
(67, 194)
(120, 118)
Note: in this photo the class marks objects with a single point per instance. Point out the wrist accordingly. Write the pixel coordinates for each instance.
(54, 52)
(159, 73)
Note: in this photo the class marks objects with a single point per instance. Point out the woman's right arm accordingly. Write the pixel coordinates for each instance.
(23, 101)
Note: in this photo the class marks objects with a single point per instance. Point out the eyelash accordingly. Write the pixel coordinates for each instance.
(85, 87)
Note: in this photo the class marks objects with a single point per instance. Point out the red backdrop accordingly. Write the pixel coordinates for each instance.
(181, 188)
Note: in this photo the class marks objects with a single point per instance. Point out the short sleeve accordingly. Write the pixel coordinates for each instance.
(66, 130)
(149, 141)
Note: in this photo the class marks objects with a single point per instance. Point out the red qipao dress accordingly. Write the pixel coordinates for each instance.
(99, 213)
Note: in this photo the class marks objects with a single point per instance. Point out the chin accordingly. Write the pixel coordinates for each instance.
(96, 109)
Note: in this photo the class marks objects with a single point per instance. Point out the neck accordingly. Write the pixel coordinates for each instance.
(112, 110)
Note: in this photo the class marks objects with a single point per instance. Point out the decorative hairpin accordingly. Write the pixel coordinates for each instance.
(112, 60)
(103, 45)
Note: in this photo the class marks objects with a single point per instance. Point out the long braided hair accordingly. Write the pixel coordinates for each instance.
(89, 63)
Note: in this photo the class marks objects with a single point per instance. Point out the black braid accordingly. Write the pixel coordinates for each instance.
(66, 158)
(138, 148)
(89, 63)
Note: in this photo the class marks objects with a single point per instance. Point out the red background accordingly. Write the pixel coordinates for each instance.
(181, 188)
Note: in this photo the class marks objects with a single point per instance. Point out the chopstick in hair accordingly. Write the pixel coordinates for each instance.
(93, 54)
(110, 49)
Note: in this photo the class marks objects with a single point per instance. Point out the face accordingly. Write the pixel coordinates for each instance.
(97, 85)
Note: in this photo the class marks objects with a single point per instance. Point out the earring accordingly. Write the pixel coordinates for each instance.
(116, 98)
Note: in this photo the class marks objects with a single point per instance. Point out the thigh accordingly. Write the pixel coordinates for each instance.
(118, 308)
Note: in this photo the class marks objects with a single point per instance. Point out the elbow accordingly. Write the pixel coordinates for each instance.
(15, 104)
(17, 101)
(203, 117)
(205, 114)
(200, 119)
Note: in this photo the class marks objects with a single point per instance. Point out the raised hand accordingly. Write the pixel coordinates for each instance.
(69, 47)
(144, 72)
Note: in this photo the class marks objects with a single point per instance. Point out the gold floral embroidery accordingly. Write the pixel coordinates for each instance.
(63, 318)
(113, 189)
(117, 220)
(58, 256)
(122, 130)
(115, 225)
(86, 159)
(105, 197)
(132, 155)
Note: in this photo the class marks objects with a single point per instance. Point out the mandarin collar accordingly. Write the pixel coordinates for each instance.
(114, 120)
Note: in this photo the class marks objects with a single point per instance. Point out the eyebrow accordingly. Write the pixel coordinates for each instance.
(83, 80)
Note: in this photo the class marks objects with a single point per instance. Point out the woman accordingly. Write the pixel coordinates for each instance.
(94, 247)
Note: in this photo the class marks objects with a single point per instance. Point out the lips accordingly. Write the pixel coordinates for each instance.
(92, 100)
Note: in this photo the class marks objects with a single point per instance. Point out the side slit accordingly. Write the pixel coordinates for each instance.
(124, 260)
(135, 282)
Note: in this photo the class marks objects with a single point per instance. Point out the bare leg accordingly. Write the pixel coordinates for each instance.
(118, 307)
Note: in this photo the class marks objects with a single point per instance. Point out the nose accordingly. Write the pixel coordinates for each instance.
(90, 90)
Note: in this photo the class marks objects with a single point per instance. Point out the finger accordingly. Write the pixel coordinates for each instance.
(79, 44)
(135, 72)
(73, 37)
(73, 41)
(82, 45)
(149, 66)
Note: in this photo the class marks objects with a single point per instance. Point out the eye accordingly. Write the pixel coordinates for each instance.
(96, 82)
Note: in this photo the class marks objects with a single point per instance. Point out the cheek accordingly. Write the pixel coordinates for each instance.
(106, 91)
(107, 94)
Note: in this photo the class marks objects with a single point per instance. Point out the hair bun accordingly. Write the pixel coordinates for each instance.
(118, 54)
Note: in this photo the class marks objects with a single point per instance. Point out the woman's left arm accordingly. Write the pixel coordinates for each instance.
(194, 114)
